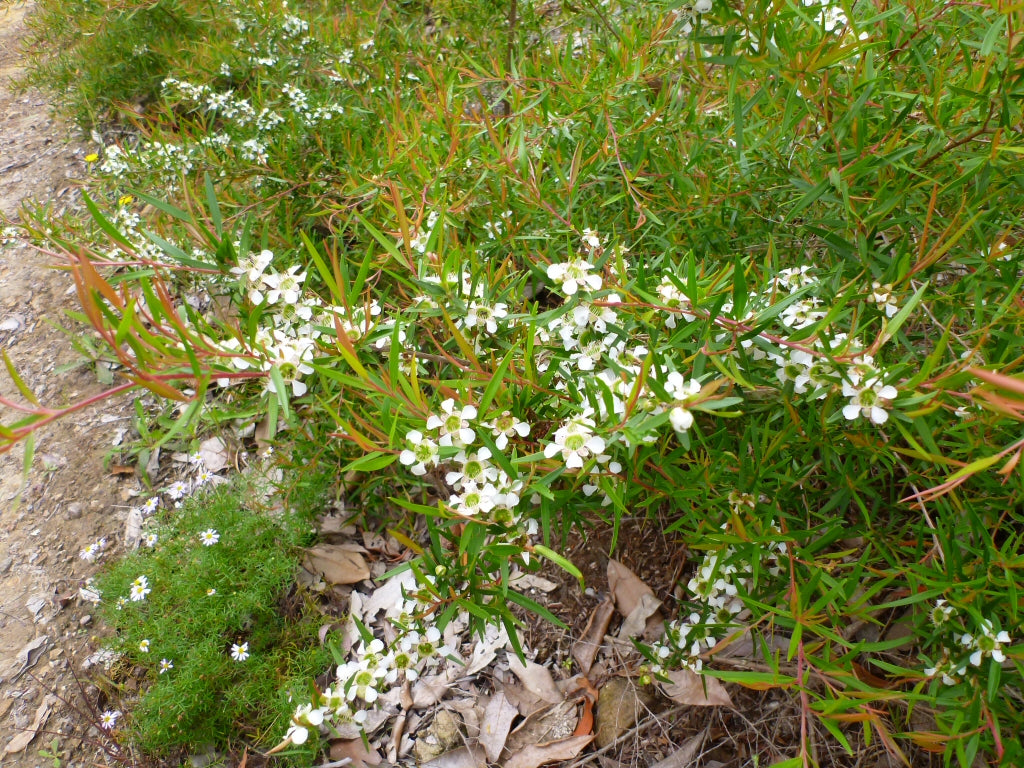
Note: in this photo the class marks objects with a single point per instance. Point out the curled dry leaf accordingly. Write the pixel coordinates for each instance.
(626, 587)
(338, 563)
(637, 622)
(688, 687)
(585, 650)
(541, 754)
(633, 599)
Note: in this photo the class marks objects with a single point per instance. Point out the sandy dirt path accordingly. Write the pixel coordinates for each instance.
(70, 499)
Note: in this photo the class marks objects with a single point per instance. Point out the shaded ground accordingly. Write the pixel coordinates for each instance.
(69, 500)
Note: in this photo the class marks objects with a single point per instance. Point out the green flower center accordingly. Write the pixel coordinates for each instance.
(575, 442)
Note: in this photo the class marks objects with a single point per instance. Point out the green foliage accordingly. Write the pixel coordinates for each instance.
(205, 599)
(100, 57)
(801, 349)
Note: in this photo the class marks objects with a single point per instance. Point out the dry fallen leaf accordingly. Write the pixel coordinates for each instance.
(554, 723)
(523, 581)
(637, 621)
(497, 722)
(633, 599)
(214, 454)
(688, 688)
(539, 754)
(354, 750)
(388, 597)
(536, 678)
(463, 757)
(585, 650)
(339, 563)
(626, 587)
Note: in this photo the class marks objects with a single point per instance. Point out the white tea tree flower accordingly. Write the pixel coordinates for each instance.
(987, 642)
(474, 499)
(682, 392)
(484, 316)
(802, 314)
(506, 426)
(284, 286)
(796, 367)
(292, 358)
(421, 454)
(452, 424)
(881, 296)
(575, 441)
(252, 268)
(574, 276)
(306, 718)
(473, 468)
(870, 398)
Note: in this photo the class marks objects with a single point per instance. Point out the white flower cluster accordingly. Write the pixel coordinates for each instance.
(963, 648)
(481, 490)
(360, 682)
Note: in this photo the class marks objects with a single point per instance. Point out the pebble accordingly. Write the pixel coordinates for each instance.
(5, 565)
(74, 510)
(85, 621)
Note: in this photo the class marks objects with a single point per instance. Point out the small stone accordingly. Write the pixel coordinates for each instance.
(74, 510)
(5, 565)
(85, 621)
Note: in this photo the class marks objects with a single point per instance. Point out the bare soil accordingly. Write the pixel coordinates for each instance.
(68, 499)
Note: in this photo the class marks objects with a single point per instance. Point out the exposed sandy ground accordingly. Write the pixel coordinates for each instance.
(70, 500)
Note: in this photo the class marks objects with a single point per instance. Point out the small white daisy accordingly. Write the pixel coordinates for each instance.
(240, 652)
(209, 537)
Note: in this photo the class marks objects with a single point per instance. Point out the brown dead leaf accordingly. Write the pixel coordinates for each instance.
(541, 754)
(633, 599)
(524, 701)
(536, 678)
(553, 723)
(497, 721)
(354, 750)
(470, 756)
(688, 687)
(338, 563)
(646, 613)
(585, 650)
(523, 581)
(626, 587)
